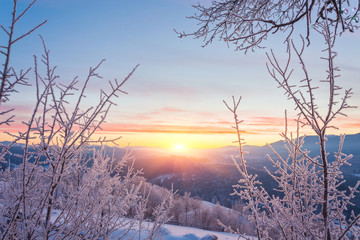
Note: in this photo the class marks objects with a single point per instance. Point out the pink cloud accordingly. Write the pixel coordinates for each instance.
(170, 109)
(163, 128)
(181, 129)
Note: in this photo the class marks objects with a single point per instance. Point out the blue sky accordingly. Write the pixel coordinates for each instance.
(175, 97)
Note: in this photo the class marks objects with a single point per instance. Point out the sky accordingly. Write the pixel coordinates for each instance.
(175, 96)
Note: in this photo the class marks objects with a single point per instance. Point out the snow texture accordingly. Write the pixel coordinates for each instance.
(172, 232)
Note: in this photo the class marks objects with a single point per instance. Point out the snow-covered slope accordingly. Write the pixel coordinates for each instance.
(188, 233)
(172, 232)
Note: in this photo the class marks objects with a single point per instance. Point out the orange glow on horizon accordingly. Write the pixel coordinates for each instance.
(179, 147)
(183, 138)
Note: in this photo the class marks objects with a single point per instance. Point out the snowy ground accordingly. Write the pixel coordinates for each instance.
(169, 232)
(172, 232)
(188, 233)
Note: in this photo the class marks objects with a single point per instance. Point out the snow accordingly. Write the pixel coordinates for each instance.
(189, 233)
(163, 177)
(208, 204)
(172, 232)
(167, 231)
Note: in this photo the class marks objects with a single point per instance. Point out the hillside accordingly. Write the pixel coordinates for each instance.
(210, 174)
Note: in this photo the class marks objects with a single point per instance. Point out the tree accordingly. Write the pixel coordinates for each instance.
(247, 23)
(9, 78)
(310, 204)
(65, 187)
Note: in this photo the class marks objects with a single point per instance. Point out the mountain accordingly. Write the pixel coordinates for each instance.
(210, 173)
(351, 146)
(211, 176)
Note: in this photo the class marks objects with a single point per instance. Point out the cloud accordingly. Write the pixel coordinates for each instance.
(170, 109)
(348, 123)
(170, 114)
(266, 121)
(221, 122)
(210, 128)
(19, 109)
(163, 128)
(253, 125)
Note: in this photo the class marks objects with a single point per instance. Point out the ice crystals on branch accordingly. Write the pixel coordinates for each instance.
(247, 23)
(63, 186)
(310, 203)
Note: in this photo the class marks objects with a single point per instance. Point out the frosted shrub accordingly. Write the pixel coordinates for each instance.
(310, 204)
(64, 186)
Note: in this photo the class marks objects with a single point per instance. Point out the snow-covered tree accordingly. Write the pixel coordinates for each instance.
(310, 204)
(247, 23)
(65, 187)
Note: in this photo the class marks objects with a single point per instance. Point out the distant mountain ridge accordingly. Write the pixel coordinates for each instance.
(257, 154)
(210, 174)
(351, 144)
(223, 155)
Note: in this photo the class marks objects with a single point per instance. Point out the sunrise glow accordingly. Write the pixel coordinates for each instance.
(175, 97)
(179, 147)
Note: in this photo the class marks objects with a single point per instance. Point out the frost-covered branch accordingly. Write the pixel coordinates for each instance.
(309, 203)
(247, 24)
(9, 78)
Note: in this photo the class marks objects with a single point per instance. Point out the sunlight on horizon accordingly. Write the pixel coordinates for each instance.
(179, 147)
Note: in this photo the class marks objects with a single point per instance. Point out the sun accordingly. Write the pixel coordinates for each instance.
(179, 147)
